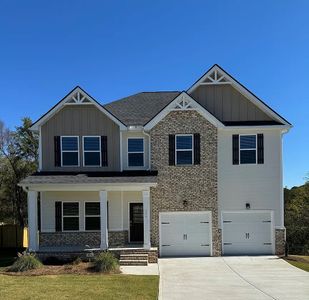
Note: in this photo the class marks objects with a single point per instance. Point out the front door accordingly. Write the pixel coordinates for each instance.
(136, 222)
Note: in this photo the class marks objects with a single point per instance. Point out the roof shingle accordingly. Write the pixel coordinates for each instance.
(140, 108)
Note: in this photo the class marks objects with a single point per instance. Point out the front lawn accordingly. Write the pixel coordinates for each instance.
(301, 262)
(79, 287)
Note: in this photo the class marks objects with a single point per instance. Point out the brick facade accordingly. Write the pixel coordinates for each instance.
(93, 239)
(185, 188)
(280, 241)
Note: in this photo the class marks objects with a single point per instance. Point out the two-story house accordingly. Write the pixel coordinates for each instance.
(197, 172)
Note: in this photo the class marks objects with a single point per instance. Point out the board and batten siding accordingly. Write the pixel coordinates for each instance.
(227, 104)
(118, 207)
(257, 184)
(80, 120)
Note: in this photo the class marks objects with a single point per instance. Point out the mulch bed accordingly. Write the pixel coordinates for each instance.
(78, 269)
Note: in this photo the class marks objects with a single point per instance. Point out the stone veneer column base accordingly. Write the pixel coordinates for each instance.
(280, 241)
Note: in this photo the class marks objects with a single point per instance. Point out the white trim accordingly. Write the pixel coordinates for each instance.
(171, 107)
(120, 147)
(63, 216)
(135, 152)
(180, 150)
(129, 227)
(78, 150)
(126, 187)
(40, 148)
(251, 149)
(91, 216)
(95, 151)
(257, 127)
(240, 89)
(53, 111)
(271, 212)
(208, 212)
(121, 199)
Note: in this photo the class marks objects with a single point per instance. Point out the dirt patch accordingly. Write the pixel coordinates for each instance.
(81, 268)
(298, 258)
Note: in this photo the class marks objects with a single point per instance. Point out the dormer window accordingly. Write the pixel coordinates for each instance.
(92, 151)
(135, 152)
(69, 151)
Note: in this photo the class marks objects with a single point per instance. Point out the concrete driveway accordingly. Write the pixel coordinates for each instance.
(220, 278)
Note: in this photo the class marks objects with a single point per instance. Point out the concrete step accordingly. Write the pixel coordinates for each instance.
(129, 262)
(134, 252)
(134, 256)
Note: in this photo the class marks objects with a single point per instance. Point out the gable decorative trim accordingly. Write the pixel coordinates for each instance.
(216, 76)
(76, 97)
(181, 103)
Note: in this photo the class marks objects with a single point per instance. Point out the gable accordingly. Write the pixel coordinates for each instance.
(183, 102)
(228, 104)
(77, 97)
(229, 101)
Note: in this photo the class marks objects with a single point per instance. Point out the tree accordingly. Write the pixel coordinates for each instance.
(18, 159)
(297, 218)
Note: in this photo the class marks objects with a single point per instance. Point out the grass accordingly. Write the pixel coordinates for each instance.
(79, 287)
(299, 261)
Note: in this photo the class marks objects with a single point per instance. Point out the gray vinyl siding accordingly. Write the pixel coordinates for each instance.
(80, 120)
(227, 104)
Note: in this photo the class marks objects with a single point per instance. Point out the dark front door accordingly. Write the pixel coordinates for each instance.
(136, 222)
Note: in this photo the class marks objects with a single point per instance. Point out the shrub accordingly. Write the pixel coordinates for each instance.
(25, 262)
(77, 261)
(106, 262)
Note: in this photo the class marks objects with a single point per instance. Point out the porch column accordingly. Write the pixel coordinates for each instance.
(33, 220)
(103, 213)
(146, 211)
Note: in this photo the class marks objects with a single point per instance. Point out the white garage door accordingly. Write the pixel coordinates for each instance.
(247, 233)
(185, 234)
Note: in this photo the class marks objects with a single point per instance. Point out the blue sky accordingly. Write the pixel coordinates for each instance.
(116, 48)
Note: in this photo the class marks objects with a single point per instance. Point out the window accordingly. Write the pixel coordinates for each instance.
(69, 151)
(92, 151)
(70, 213)
(92, 216)
(135, 152)
(184, 149)
(247, 149)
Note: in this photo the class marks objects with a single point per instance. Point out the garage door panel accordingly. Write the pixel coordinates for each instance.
(185, 234)
(247, 233)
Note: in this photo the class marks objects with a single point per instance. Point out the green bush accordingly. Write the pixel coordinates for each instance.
(25, 262)
(106, 262)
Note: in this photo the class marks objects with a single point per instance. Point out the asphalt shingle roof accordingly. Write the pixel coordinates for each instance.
(140, 108)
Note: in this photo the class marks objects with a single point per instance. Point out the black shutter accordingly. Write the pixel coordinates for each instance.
(197, 149)
(58, 215)
(171, 150)
(104, 161)
(260, 148)
(57, 151)
(235, 149)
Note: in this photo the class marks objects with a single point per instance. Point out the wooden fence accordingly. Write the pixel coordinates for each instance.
(13, 236)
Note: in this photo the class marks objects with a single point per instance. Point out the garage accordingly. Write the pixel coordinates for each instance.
(185, 233)
(247, 233)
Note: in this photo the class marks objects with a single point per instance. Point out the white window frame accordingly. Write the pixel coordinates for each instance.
(100, 151)
(248, 149)
(135, 152)
(192, 149)
(63, 216)
(62, 151)
(88, 216)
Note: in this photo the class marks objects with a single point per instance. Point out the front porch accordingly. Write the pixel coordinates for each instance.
(86, 219)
